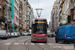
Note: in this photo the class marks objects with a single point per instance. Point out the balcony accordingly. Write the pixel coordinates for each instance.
(9, 9)
(0, 6)
(20, 14)
(2, 19)
(20, 8)
(72, 5)
(62, 1)
(7, 1)
(20, 5)
(20, 21)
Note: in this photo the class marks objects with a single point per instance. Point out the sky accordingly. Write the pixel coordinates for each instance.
(46, 5)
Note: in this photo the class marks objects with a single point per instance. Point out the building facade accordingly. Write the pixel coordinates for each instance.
(21, 2)
(3, 14)
(54, 15)
(9, 15)
(16, 15)
(72, 10)
(62, 13)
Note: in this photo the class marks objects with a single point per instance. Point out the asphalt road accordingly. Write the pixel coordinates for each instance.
(24, 43)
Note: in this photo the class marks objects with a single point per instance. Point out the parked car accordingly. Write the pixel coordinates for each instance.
(65, 34)
(3, 34)
(30, 31)
(9, 34)
(25, 33)
(16, 34)
(12, 34)
(51, 34)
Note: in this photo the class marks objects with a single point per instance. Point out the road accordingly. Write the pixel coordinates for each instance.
(24, 43)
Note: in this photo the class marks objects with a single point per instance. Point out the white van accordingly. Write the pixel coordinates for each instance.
(30, 31)
(3, 34)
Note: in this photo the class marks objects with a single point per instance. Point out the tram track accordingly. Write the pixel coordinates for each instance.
(39, 46)
(26, 47)
(34, 43)
(10, 46)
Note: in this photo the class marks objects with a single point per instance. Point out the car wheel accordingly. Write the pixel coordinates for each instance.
(45, 42)
(68, 42)
(56, 40)
(6, 38)
(64, 41)
(48, 36)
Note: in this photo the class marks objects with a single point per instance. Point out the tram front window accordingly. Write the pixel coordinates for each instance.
(39, 28)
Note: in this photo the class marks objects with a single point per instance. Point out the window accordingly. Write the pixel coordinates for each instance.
(39, 28)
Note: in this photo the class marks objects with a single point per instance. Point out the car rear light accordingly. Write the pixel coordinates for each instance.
(65, 36)
(74, 34)
(10, 34)
(33, 34)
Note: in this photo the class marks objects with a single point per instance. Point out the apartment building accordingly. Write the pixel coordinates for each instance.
(29, 16)
(16, 15)
(21, 2)
(9, 15)
(25, 14)
(3, 14)
(72, 11)
(67, 9)
(54, 16)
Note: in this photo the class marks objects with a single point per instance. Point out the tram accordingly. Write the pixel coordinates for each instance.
(39, 30)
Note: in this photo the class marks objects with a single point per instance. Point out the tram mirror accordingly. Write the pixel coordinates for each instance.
(47, 25)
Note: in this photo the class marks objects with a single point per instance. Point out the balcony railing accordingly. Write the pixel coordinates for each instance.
(2, 19)
(20, 21)
(20, 14)
(9, 9)
(72, 5)
(7, 1)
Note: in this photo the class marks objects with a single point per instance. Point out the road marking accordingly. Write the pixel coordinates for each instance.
(63, 47)
(50, 44)
(56, 46)
(32, 44)
(68, 47)
(53, 44)
(7, 43)
(21, 43)
(16, 43)
(41, 44)
(26, 43)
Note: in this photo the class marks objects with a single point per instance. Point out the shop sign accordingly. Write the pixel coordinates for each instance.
(2, 26)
